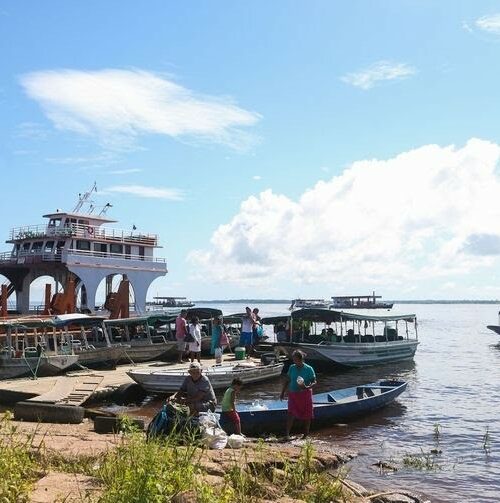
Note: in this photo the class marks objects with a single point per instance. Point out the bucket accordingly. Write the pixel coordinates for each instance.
(239, 353)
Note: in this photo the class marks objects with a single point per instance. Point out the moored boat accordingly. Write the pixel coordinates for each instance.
(337, 406)
(140, 336)
(220, 376)
(359, 302)
(33, 347)
(336, 337)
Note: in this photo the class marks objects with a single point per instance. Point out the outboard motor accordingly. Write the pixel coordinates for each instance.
(268, 358)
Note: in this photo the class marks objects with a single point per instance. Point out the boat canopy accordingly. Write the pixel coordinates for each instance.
(332, 316)
(25, 323)
(63, 320)
(204, 313)
(152, 319)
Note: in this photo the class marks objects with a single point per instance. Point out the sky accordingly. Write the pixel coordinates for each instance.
(279, 149)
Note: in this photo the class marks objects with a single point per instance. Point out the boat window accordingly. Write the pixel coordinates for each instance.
(55, 222)
(127, 251)
(83, 245)
(115, 248)
(60, 245)
(83, 222)
(100, 247)
(49, 245)
(37, 246)
(141, 252)
(26, 246)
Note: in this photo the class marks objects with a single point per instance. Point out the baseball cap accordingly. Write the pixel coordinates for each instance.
(195, 366)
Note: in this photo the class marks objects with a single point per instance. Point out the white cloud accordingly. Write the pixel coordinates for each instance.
(124, 171)
(147, 192)
(490, 23)
(118, 105)
(257, 177)
(378, 72)
(425, 214)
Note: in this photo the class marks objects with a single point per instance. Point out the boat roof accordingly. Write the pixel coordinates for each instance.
(24, 323)
(150, 319)
(62, 320)
(204, 313)
(59, 214)
(332, 315)
(339, 297)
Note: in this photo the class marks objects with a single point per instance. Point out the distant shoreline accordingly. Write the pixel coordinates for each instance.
(289, 301)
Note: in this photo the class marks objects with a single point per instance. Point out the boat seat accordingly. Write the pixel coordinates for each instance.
(330, 398)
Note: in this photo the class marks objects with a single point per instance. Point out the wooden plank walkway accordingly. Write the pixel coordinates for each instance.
(71, 390)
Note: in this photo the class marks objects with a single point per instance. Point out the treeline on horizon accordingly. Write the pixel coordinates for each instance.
(289, 301)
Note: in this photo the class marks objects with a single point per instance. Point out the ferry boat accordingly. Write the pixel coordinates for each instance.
(359, 302)
(309, 304)
(78, 250)
(169, 304)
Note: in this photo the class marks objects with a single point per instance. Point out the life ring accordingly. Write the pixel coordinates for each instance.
(90, 231)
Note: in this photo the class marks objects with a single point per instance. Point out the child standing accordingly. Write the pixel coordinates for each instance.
(229, 413)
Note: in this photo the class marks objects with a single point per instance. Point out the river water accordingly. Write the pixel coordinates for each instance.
(452, 405)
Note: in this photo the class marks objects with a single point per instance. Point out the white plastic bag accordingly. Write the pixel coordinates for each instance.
(218, 356)
(208, 419)
(214, 438)
(236, 441)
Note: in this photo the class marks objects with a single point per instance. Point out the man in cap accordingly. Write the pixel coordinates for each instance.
(196, 391)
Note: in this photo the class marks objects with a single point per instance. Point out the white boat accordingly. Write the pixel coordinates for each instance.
(309, 304)
(32, 347)
(220, 376)
(349, 339)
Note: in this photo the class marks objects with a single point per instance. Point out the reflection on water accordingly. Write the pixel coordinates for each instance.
(453, 383)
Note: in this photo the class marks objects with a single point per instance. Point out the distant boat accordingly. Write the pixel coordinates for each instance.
(337, 406)
(309, 304)
(337, 337)
(494, 328)
(169, 303)
(359, 302)
(221, 376)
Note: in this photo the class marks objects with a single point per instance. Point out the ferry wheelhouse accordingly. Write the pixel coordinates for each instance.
(78, 250)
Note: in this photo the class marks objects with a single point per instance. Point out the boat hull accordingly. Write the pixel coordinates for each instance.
(353, 354)
(146, 352)
(101, 356)
(350, 404)
(41, 367)
(494, 328)
(169, 381)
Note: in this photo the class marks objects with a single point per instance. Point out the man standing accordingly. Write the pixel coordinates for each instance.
(246, 337)
(181, 331)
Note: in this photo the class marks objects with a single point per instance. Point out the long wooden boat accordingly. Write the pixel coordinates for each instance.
(494, 328)
(140, 336)
(350, 339)
(337, 406)
(170, 380)
(33, 347)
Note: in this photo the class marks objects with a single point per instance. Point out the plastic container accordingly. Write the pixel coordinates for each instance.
(239, 353)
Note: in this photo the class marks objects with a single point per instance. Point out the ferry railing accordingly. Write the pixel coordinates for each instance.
(121, 256)
(93, 232)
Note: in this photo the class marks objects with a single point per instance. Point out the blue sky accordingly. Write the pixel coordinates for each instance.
(235, 111)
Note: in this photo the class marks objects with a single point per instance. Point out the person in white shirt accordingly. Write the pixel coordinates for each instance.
(194, 339)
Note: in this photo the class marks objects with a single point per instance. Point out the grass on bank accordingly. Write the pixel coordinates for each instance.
(155, 471)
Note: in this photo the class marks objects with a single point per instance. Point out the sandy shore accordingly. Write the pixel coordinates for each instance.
(72, 441)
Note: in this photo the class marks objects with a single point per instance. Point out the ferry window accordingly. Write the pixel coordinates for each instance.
(83, 222)
(100, 247)
(48, 247)
(114, 248)
(127, 251)
(141, 252)
(26, 246)
(54, 222)
(37, 246)
(83, 245)
(60, 245)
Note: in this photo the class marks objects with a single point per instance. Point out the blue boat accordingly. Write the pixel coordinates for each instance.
(338, 406)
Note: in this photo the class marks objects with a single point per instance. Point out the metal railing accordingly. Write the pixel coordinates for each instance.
(93, 232)
(121, 256)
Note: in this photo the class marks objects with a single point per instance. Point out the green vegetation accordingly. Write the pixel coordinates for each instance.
(18, 466)
(422, 461)
(157, 470)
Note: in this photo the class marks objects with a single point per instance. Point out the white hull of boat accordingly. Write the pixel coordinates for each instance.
(354, 354)
(169, 381)
(31, 366)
